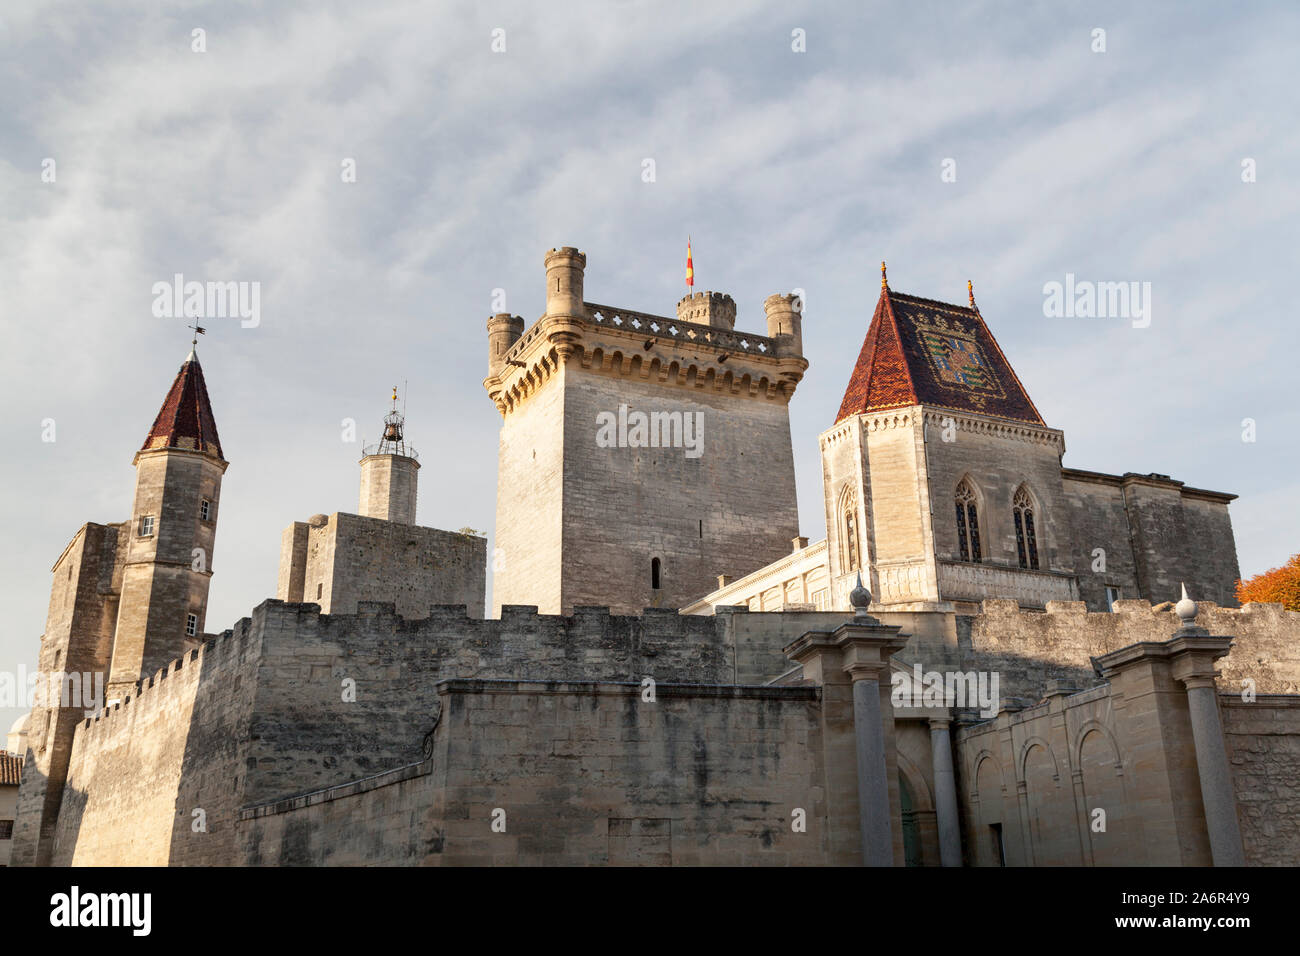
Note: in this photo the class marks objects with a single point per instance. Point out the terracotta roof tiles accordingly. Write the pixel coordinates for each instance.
(924, 352)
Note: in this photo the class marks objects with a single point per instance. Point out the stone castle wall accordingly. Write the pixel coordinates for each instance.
(1156, 535)
(293, 701)
(1028, 649)
(1263, 738)
(579, 773)
(731, 510)
(179, 743)
(526, 562)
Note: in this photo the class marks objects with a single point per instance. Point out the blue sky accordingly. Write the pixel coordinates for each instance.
(788, 169)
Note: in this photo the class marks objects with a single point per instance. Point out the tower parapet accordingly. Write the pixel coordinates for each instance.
(784, 323)
(716, 309)
(504, 331)
(564, 271)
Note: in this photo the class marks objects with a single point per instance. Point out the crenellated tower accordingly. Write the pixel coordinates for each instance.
(641, 455)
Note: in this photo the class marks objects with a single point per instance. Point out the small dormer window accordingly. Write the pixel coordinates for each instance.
(205, 510)
(146, 526)
(191, 625)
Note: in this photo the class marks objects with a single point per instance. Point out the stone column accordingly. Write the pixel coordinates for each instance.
(873, 775)
(1145, 678)
(945, 792)
(864, 648)
(1190, 665)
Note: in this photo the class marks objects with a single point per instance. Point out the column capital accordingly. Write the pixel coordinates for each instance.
(940, 723)
(862, 651)
(1190, 657)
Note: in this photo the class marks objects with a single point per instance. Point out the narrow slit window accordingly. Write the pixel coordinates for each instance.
(654, 573)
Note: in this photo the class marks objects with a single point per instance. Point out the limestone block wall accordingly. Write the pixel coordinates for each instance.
(388, 487)
(1027, 649)
(997, 458)
(1030, 783)
(78, 639)
(337, 561)
(1097, 518)
(178, 744)
(293, 701)
(581, 773)
(731, 510)
(526, 562)
(1156, 533)
(1263, 738)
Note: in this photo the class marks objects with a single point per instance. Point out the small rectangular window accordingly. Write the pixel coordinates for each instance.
(191, 624)
(6, 829)
(1112, 595)
(205, 510)
(319, 589)
(146, 526)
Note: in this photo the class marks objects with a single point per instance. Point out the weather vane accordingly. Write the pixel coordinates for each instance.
(198, 330)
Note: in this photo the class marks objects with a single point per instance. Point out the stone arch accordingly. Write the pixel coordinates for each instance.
(1022, 760)
(1090, 726)
(1109, 835)
(1051, 816)
(990, 822)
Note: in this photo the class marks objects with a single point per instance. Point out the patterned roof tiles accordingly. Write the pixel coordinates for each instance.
(924, 352)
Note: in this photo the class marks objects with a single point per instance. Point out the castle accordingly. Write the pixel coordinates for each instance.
(981, 664)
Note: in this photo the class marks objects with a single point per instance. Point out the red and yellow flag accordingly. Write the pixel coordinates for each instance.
(690, 265)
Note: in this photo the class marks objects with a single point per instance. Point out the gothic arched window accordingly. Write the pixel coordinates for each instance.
(851, 547)
(968, 522)
(1026, 539)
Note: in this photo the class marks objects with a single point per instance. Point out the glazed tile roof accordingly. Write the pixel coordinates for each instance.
(185, 419)
(11, 769)
(923, 352)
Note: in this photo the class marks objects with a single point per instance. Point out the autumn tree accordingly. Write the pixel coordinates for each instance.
(1275, 586)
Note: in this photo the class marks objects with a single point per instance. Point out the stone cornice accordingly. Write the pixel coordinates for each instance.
(1153, 481)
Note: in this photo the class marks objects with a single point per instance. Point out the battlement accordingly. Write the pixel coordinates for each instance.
(1031, 648)
(715, 309)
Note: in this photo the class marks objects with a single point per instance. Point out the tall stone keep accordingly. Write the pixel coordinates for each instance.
(173, 528)
(389, 474)
(641, 455)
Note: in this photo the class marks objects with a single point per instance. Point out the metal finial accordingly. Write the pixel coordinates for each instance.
(884, 280)
(970, 292)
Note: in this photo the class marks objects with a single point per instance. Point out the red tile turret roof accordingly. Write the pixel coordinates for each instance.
(185, 419)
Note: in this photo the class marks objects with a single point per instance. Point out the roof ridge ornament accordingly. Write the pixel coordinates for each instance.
(970, 294)
(884, 279)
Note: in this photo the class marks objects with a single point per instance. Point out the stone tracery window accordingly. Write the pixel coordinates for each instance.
(1026, 538)
(968, 522)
